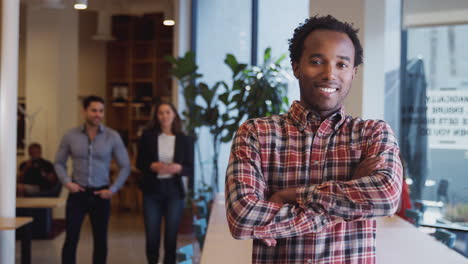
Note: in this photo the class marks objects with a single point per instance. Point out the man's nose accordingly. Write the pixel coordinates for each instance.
(329, 72)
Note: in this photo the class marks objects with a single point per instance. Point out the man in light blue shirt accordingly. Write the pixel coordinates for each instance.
(91, 147)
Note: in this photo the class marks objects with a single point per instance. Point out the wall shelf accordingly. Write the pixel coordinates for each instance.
(137, 74)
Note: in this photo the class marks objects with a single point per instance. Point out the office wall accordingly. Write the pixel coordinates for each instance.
(22, 55)
(51, 75)
(47, 57)
(91, 59)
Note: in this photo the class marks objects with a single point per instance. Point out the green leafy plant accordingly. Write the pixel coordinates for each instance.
(457, 213)
(254, 91)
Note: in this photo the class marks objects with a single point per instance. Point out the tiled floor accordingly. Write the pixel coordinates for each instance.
(126, 242)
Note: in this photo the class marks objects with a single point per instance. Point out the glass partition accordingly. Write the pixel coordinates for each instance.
(434, 110)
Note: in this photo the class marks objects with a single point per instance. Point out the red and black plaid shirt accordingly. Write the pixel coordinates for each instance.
(332, 219)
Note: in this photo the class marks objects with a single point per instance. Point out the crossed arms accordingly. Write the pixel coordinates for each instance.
(374, 190)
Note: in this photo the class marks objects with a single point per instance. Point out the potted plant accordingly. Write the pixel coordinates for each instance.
(253, 91)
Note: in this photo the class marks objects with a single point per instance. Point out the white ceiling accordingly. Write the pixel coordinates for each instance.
(434, 12)
(111, 6)
(429, 6)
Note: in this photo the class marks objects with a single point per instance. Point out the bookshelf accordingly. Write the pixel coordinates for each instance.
(137, 74)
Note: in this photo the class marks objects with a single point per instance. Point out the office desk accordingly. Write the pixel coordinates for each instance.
(397, 242)
(453, 227)
(23, 225)
(41, 210)
(402, 242)
(39, 202)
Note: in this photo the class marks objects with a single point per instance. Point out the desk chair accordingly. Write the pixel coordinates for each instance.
(420, 205)
(446, 237)
(442, 191)
(414, 216)
(185, 254)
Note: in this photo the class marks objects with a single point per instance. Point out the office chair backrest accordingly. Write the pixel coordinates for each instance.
(414, 216)
(446, 237)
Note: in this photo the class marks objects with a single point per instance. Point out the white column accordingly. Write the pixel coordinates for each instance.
(182, 14)
(8, 105)
(379, 24)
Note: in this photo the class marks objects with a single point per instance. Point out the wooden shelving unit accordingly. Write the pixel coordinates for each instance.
(137, 74)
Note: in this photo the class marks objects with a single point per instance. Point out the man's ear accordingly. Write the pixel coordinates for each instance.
(295, 67)
(355, 72)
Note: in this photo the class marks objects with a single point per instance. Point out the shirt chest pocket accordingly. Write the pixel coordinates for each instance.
(340, 163)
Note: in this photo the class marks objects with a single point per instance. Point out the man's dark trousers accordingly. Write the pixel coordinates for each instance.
(78, 205)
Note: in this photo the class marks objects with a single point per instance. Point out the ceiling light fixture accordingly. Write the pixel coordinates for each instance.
(169, 14)
(168, 22)
(104, 27)
(81, 4)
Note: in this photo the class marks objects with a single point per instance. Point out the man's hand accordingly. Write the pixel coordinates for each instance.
(271, 242)
(73, 187)
(367, 167)
(104, 193)
(284, 196)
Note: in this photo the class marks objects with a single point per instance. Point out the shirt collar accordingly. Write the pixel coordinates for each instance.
(302, 116)
(101, 128)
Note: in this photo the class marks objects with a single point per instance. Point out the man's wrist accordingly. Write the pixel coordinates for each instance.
(113, 189)
(301, 195)
(289, 195)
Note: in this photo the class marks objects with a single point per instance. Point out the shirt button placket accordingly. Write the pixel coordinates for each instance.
(90, 161)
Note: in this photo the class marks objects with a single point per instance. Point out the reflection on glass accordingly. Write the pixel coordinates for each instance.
(435, 125)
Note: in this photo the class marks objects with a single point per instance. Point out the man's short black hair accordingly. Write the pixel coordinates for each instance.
(296, 43)
(92, 98)
(34, 145)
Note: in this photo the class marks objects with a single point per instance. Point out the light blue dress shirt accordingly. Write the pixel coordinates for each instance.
(91, 159)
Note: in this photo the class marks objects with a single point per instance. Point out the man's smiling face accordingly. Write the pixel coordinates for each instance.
(325, 71)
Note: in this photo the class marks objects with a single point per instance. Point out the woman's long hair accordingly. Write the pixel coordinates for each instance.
(176, 124)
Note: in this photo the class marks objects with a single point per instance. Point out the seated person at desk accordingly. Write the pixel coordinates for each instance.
(37, 176)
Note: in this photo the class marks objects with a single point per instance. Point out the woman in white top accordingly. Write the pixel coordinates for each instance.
(164, 155)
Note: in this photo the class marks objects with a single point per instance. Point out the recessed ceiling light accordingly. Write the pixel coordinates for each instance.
(81, 4)
(169, 22)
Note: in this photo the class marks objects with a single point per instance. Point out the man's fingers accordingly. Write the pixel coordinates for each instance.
(276, 199)
(271, 242)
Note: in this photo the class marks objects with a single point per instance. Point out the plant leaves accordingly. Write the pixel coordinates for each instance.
(231, 61)
(267, 55)
(224, 98)
(280, 59)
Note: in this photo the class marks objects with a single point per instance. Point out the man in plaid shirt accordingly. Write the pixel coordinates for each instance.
(307, 185)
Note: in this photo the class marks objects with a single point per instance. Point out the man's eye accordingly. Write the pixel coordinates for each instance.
(316, 62)
(343, 65)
